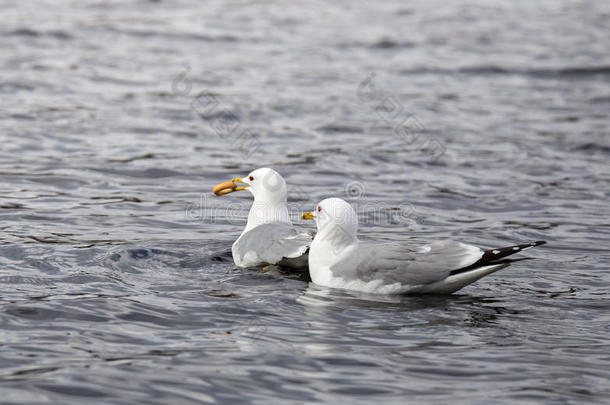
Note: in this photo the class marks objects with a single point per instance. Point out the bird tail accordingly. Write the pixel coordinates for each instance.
(495, 256)
(491, 261)
(455, 282)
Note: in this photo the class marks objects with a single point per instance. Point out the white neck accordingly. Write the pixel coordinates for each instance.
(266, 213)
(326, 249)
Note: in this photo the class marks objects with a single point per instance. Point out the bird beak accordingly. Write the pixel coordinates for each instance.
(308, 215)
(228, 187)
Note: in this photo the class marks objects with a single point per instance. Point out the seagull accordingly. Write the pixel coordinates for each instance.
(269, 237)
(338, 259)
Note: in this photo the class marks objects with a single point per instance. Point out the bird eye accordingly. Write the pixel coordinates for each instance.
(251, 178)
(319, 209)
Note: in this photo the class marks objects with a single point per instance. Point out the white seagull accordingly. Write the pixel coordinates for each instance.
(338, 259)
(269, 237)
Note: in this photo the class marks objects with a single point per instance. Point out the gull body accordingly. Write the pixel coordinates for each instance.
(269, 237)
(338, 259)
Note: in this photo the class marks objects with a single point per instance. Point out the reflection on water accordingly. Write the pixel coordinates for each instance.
(485, 123)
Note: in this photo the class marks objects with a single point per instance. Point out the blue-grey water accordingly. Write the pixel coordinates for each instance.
(485, 122)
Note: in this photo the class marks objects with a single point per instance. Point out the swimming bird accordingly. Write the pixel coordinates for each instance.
(338, 259)
(269, 237)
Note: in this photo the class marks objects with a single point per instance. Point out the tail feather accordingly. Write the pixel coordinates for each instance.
(457, 281)
(495, 256)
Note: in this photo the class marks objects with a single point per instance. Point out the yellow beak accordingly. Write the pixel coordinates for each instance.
(308, 215)
(228, 187)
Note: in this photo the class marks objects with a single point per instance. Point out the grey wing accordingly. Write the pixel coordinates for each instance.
(273, 242)
(407, 265)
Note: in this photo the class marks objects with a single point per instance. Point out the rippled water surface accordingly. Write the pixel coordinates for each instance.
(481, 121)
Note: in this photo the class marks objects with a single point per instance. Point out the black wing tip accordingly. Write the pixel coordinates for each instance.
(509, 250)
(495, 256)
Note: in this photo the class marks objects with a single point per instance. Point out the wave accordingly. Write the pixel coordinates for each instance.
(561, 72)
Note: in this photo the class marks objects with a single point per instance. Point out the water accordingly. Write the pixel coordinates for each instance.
(486, 123)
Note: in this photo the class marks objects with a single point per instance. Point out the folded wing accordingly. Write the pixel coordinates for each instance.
(270, 243)
(412, 266)
(394, 263)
